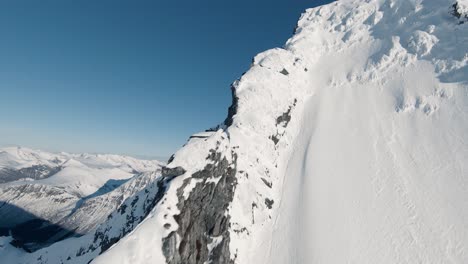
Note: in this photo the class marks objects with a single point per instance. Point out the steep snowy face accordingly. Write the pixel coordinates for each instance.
(374, 171)
(347, 145)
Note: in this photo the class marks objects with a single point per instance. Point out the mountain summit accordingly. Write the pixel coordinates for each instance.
(347, 145)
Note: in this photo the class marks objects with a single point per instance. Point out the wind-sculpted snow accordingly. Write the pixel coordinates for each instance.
(347, 145)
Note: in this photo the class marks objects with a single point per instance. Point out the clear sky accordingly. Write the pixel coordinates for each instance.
(127, 77)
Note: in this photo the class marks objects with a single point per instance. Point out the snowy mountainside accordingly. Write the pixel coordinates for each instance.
(71, 171)
(347, 145)
(120, 222)
(76, 194)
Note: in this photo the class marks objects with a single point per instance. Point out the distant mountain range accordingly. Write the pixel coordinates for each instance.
(46, 197)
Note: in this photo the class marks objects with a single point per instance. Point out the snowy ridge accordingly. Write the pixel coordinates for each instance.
(80, 174)
(21, 157)
(348, 145)
(345, 128)
(120, 222)
(46, 197)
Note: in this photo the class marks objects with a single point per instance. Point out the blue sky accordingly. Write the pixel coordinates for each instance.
(127, 77)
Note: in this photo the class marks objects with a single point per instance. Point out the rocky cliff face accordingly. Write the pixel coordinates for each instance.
(37, 172)
(206, 206)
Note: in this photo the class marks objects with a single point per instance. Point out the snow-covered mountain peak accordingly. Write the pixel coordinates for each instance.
(336, 135)
(20, 156)
(347, 145)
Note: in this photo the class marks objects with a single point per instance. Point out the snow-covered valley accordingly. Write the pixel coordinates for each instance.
(45, 197)
(347, 145)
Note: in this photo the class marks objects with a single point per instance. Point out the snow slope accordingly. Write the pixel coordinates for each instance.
(69, 194)
(131, 210)
(82, 174)
(347, 145)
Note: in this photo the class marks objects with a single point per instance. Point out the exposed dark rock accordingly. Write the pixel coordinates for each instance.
(254, 205)
(456, 12)
(215, 128)
(203, 215)
(121, 209)
(232, 110)
(36, 172)
(171, 158)
(269, 203)
(275, 139)
(108, 242)
(135, 200)
(295, 29)
(284, 72)
(267, 183)
(170, 173)
(199, 136)
(283, 120)
(102, 235)
(242, 230)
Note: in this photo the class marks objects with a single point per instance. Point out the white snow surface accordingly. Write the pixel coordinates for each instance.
(79, 195)
(372, 166)
(81, 174)
(463, 6)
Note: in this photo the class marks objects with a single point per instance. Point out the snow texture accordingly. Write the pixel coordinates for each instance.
(369, 168)
(69, 194)
(348, 144)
